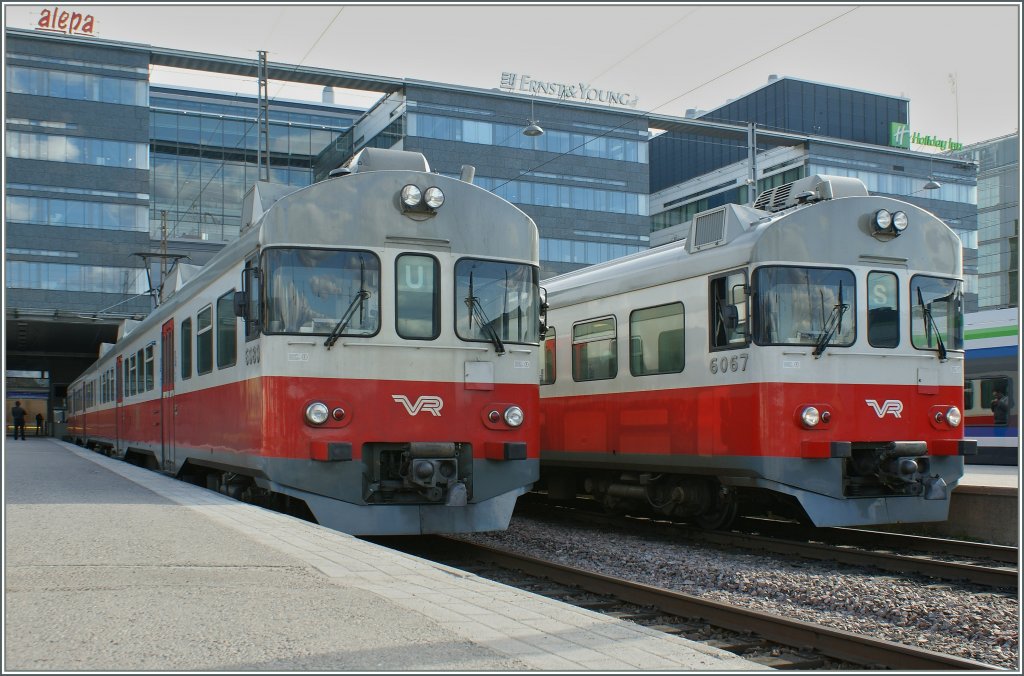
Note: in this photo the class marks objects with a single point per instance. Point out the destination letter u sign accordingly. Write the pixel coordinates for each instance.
(428, 403)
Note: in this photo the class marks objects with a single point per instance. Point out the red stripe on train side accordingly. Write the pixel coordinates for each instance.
(265, 416)
(751, 419)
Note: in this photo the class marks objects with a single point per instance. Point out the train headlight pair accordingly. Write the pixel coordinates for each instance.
(413, 198)
(889, 223)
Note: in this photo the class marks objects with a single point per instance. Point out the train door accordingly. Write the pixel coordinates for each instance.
(167, 405)
(118, 404)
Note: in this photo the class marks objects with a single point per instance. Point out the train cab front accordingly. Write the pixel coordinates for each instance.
(871, 461)
(416, 457)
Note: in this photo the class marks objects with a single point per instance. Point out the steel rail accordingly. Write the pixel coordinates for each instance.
(835, 643)
(892, 540)
(780, 542)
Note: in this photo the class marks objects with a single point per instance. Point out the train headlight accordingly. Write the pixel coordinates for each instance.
(810, 416)
(953, 416)
(513, 416)
(316, 413)
(899, 221)
(411, 196)
(882, 220)
(433, 197)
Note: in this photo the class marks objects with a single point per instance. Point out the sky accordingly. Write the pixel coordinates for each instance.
(958, 64)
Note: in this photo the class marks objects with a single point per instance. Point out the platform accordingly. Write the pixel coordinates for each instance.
(984, 507)
(110, 567)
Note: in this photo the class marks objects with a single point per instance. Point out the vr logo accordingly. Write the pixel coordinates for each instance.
(428, 403)
(893, 406)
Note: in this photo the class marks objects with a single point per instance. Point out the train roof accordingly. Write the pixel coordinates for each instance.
(819, 220)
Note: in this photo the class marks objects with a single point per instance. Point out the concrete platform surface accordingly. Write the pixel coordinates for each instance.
(110, 567)
(1001, 479)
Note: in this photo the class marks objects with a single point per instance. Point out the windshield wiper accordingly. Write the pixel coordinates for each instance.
(832, 324)
(361, 297)
(930, 325)
(476, 311)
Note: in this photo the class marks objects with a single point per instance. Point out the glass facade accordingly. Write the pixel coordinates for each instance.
(998, 237)
(818, 109)
(785, 105)
(511, 136)
(204, 155)
(79, 86)
(565, 196)
(77, 150)
(70, 277)
(77, 213)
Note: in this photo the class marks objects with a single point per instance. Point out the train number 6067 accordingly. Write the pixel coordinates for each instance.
(734, 363)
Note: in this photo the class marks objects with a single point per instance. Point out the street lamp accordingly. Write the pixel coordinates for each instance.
(533, 129)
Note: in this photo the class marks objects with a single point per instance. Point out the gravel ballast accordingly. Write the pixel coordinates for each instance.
(954, 619)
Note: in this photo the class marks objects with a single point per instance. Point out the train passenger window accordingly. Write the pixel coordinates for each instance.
(322, 291)
(417, 297)
(496, 302)
(656, 340)
(133, 373)
(883, 310)
(140, 383)
(149, 368)
(989, 386)
(594, 350)
(186, 349)
(727, 304)
(968, 395)
(204, 340)
(547, 367)
(804, 306)
(936, 314)
(227, 331)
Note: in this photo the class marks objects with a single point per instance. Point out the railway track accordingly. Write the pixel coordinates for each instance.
(777, 642)
(977, 563)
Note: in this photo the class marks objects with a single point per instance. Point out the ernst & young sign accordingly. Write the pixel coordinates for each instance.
(577, 92)
(57, 20)
(900, 136)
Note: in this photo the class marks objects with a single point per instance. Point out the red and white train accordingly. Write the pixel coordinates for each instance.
(367, 350)
(804, 356)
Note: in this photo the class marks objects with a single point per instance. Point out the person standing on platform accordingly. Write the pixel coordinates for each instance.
(1000, 407)
(39, 424)
(18, 413)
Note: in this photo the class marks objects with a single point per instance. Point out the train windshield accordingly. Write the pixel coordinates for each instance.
(937, 314)
(804, 306)
(496, 302)
(322, 291)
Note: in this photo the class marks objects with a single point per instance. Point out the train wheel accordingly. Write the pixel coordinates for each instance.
(721, 515)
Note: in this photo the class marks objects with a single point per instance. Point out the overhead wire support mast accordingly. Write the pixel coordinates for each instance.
(263, 120)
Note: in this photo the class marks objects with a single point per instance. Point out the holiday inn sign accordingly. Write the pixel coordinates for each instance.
(900, 136)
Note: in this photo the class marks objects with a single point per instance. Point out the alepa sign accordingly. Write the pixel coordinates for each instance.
(577, 92)
(59, 20)
(900, 136)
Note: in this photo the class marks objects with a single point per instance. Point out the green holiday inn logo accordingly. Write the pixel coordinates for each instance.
(899, 135)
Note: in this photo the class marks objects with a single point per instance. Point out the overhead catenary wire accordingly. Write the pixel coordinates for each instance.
(646, 113)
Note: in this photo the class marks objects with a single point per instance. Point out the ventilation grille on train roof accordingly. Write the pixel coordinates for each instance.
(774, 199)
(814, 188)
(708, 228)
